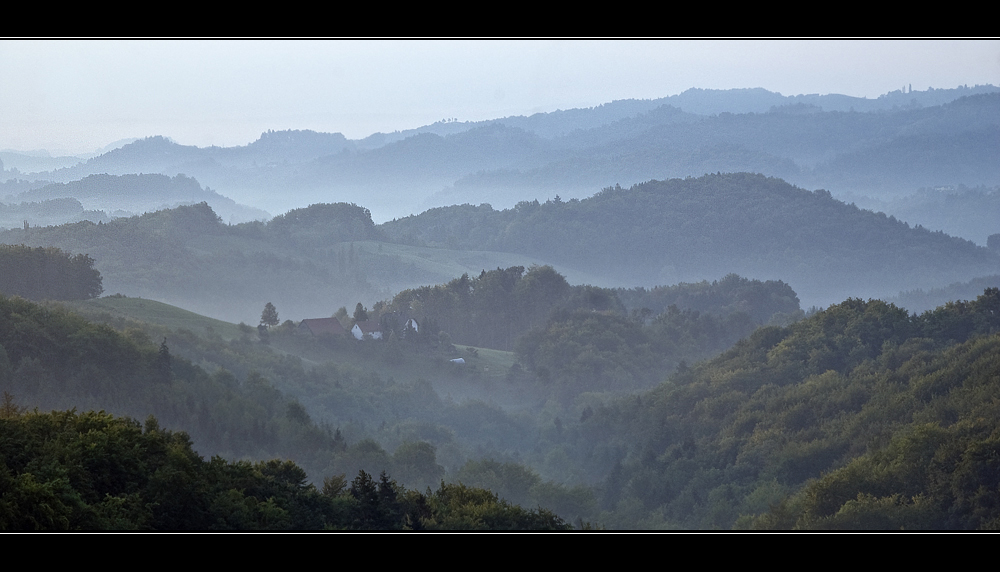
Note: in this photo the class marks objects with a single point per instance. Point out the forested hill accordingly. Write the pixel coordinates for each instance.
(187, 256)
(860, 417)
(307, 262)
(91, 471)
(664, 232)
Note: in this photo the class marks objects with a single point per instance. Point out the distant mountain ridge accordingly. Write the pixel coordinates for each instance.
(136, 194)
(694, 101)
(886, 146)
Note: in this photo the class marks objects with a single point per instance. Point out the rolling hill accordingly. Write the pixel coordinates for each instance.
(663, 232)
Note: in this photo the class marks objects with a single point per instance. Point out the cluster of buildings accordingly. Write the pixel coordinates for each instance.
(369, 329)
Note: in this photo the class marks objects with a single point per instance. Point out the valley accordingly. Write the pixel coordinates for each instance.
(725, 309)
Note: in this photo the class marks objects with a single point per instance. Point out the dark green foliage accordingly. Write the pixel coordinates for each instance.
(58, 360)
(894, 408)
(861, 416)
(458, 507)
(593, 350)
(416, 465)
(523, 486)
(53, 359)
(93, 471)
(510, 481)
(600, 349)
(334, 418)
(47, 274)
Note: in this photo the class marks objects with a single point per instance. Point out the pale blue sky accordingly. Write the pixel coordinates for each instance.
(78, 96)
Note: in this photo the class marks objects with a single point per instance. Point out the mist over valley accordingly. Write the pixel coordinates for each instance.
(720, 309)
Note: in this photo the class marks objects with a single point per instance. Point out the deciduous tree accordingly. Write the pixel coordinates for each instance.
(269, 317)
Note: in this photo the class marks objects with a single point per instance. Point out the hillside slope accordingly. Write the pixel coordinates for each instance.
(860, 417)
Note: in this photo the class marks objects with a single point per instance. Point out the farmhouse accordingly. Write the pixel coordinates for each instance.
(319, 326)
(369, 328)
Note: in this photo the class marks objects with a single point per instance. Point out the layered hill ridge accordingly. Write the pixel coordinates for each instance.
(883, 147)
(662, 232)
(311, 261)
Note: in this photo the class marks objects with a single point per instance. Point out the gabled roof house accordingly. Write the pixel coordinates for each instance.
(318, 326)
(368, 328)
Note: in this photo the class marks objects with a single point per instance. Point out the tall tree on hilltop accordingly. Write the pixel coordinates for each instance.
(269, 317)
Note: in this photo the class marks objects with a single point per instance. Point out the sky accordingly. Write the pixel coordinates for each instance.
(76, 96)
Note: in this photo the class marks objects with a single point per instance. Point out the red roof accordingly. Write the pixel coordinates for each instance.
(318, 326)
(369, 327)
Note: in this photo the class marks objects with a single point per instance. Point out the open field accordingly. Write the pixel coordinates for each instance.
(114, 308)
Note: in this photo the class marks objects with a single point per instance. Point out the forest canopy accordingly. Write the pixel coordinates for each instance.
(93, 471)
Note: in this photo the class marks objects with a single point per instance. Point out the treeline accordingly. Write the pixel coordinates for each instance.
(763, 301)
(921, 301)
(500, 306)
(93, 471)
(47, 274)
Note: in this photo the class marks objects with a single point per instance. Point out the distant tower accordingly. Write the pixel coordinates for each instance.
(25, 224)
